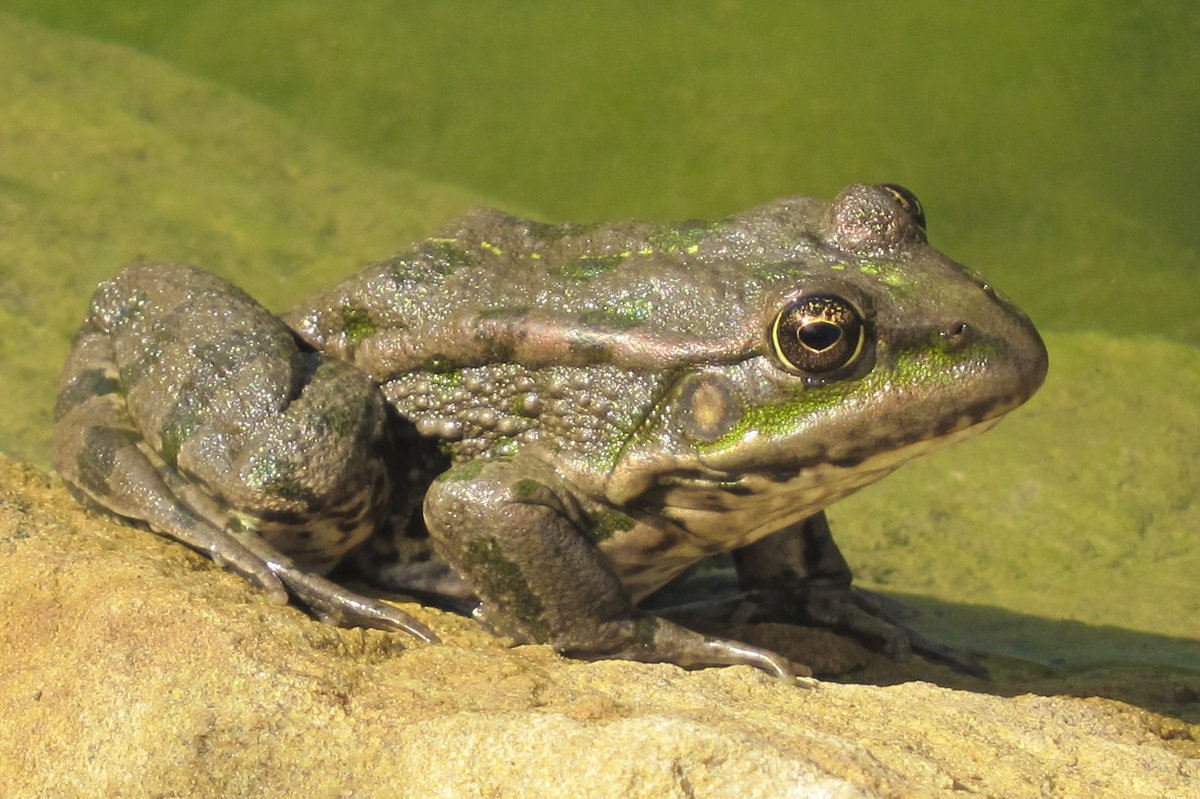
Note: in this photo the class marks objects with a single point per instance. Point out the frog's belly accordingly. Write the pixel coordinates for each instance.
(692, 518)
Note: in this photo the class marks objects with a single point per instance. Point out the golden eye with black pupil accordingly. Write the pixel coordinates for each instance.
(817, 334)
(908, 201)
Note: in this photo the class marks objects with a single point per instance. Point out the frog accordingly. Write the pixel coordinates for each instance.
(550, 423)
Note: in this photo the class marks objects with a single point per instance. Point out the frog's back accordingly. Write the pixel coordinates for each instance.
(492, 288)
(502, 330)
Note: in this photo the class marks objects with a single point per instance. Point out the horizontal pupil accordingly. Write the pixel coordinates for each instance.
(819, 336)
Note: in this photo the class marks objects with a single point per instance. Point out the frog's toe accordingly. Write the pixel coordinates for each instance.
(230, 553)
(651, 639)
(334, 604)
(892, 614)
(848, 610)
(726, 652)
(947, 656)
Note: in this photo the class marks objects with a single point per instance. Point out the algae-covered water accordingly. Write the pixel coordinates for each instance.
(283, 144)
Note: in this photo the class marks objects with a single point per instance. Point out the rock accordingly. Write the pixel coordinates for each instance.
(134, 667)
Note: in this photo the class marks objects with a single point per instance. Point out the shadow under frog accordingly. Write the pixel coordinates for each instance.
(551, 422)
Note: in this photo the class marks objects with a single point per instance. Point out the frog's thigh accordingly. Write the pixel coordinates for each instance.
(514, 532)
(103, 458)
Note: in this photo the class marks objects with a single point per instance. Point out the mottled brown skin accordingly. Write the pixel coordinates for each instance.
(572, 415)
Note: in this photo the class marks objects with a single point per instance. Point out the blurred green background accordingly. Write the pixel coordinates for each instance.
(1053, 144)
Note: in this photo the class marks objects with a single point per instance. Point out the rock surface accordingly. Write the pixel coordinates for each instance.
(130, 666)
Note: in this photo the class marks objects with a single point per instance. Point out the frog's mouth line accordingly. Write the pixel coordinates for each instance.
(832, 477)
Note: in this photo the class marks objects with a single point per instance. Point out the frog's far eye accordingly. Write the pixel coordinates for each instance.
(817, 333)
(908, 201)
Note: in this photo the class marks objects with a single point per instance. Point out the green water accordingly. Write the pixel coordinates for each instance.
(284, 143)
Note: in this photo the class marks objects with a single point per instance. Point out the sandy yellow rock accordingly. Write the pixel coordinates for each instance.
(133, 667)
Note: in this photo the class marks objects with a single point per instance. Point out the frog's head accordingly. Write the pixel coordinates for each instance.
(866, 349)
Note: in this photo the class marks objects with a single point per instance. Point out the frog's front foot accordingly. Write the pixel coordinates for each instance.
(875, 620)
(650, 639)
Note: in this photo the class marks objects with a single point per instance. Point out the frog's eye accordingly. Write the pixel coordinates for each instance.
(817, 334)
(908, 201)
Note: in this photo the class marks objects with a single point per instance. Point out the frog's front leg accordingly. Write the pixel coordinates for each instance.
(798, 575)
(187, 406)
(514, 530)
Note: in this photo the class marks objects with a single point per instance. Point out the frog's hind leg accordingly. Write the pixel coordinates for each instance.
(111, 468)
(798, 575)
(105, 461)
(333, 604)
(103, 458)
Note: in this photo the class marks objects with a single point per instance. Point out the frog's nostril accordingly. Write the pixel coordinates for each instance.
(955, 334)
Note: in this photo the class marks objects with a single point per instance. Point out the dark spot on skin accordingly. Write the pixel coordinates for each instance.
(448, 255)
(357, 324)
(608, 320)
(81, 388)
(355, 510)
(945, 425)
(439, 364)
(283, 517)
(341, 421)
(500, 350)
(590, 351)
(973, 414)
(463, 471)
(180, 423)
(667, 543)
(305, 535)
(98, 456)
(348, 526)
(853, 457)
(609, 523)
(131, 372)
(645, 631)
(527, 405)
(587, 267)
(291, 488)
(676, 238)
(500, 580)
(345, 533)
(277, 477)
(223, 358)
(526, 488)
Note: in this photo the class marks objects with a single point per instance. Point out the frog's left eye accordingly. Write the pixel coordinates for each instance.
(817, 334)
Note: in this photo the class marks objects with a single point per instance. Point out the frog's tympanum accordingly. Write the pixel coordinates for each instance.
(552, 422)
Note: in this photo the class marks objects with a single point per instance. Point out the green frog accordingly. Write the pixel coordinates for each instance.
(549, 423)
